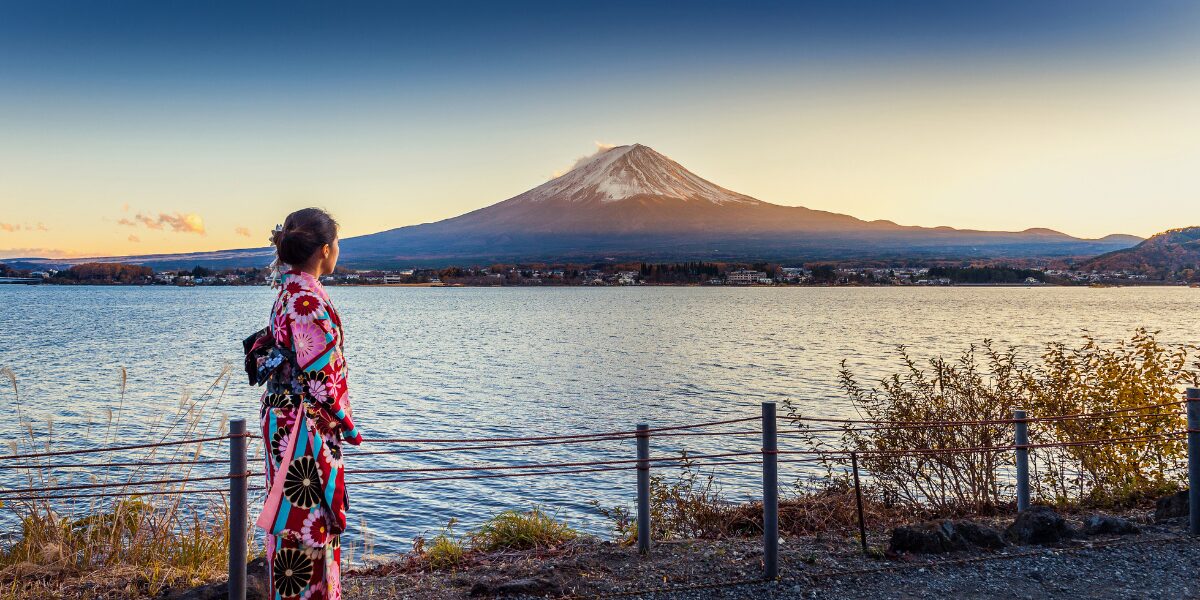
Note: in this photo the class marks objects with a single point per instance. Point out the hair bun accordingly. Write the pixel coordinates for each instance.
(302, 234)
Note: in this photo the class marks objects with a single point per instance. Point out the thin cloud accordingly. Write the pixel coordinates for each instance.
(601, 147)
(242, 231)
(178, 222)
(14, 227)
(135, 239)
(39, 253)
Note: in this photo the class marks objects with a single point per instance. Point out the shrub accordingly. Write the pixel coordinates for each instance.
(986, 384)
(684, 505)
(1093, 378)
(960, 389)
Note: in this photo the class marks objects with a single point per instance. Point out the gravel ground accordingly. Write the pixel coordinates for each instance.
(1158, 563)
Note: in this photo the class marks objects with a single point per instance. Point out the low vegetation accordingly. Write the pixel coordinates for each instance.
(686, 504)
(533, 529)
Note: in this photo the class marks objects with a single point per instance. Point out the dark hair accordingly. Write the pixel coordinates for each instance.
(304, 232)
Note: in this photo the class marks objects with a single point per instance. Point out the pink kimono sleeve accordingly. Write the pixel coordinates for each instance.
(316, 339)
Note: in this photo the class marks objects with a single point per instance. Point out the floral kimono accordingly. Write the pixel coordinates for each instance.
(305, 418)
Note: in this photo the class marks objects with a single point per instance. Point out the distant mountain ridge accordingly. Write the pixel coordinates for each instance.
(633, 203)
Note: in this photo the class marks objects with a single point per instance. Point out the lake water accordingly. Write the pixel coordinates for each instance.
(489, 362)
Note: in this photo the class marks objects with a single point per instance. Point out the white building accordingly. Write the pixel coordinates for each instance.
(744, 277)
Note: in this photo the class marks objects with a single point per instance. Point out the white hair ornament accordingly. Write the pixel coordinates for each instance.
(276, 263)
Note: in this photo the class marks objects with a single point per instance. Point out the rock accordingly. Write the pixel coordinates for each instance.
(536, 586)
(934, 537)
(533, 586)
(1038, 525)
(212, 591)
(1171, 507)
(1106, 525)
(980, 535)
(926, 538)
(257, 586)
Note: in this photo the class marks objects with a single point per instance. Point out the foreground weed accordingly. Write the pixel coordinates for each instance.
(516, 530)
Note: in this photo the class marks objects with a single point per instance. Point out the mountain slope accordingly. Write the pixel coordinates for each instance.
(1161, 255)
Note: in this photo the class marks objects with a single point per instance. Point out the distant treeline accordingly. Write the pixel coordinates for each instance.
(106, 272)
(7, 271)
(985, 274)
(685, 272)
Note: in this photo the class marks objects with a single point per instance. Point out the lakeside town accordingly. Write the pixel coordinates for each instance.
(623, 274)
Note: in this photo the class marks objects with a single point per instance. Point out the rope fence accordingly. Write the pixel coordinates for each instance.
(767, 456)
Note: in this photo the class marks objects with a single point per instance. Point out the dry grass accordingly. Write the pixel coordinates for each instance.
(132, 546)
(687, 505)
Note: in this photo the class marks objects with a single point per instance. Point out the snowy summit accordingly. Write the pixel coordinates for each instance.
(624, 172)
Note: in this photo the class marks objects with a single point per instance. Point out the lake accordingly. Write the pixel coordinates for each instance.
(492, 362)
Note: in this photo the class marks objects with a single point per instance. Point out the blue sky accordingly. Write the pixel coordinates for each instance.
(1003, 115)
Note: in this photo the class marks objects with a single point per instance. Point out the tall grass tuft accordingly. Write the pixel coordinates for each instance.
(131, 546)
(517, 530)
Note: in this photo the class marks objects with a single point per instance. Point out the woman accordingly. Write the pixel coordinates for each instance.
(305, 416)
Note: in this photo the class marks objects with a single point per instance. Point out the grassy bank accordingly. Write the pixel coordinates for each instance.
(135, 544)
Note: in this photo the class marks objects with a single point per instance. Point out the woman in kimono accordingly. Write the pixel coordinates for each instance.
(305, 416)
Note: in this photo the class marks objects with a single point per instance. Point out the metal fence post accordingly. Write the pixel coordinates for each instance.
(1193, 443)
(862, 518)
(237, 509)
(643, 488)
(1022, 443)
(770, 451)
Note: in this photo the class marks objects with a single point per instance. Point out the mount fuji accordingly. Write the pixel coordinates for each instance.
(633, 203)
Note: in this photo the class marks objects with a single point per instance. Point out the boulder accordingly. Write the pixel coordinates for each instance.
(980, 535)
(1106, 525)
(1171, 507)
(1038, 525)
(935, 537)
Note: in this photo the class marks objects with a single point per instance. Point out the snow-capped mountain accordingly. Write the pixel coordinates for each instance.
(635, 190)
(632, 203)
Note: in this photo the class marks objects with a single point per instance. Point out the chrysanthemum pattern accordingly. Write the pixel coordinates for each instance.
(313, 532)
(291, 571)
